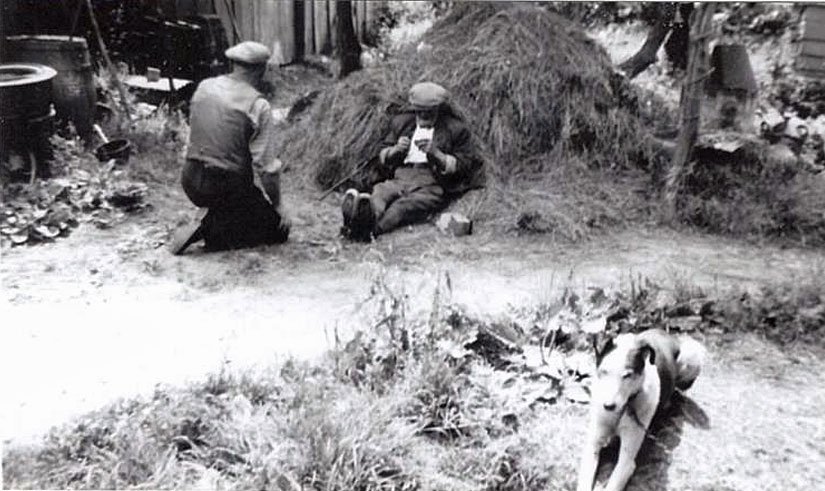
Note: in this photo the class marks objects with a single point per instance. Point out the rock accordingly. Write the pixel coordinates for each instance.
(455, 223)
(279, 114)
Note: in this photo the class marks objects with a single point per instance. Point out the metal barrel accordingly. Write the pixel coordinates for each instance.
(73, 88)
(26, 115)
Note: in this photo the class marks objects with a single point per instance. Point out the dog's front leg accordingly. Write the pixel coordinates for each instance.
(631, 442)
(587, 467)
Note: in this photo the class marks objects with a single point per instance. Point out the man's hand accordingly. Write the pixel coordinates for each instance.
(445, 164)
(427, 146)
(402, 145)
(286, 220)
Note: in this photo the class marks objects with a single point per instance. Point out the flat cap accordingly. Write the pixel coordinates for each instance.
(427, 95)
(249, 52)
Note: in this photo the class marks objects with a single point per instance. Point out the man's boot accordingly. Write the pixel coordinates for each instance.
(363, 221)
(185, 236)
(348, 210)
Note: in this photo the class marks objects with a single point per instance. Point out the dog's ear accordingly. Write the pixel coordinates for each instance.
(642, 352)
(602, 347)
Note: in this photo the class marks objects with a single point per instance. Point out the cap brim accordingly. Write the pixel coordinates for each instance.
(419, 107)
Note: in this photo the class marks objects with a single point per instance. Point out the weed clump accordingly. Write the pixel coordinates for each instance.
(429, 399)
(754, 194)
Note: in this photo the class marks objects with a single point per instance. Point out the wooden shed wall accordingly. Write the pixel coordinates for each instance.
(295, 27)
(811, 58)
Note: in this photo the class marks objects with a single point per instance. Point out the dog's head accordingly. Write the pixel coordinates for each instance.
(620, 371)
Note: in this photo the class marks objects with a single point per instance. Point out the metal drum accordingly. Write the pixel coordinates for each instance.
(74, 93)
(26, 117)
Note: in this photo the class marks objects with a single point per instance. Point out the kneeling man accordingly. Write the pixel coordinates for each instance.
(231, 143)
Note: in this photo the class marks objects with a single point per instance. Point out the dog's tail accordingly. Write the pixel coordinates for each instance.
(689, 362)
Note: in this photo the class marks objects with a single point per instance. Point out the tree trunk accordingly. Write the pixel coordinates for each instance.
(646, 56)
(348, 48)
(697, 72)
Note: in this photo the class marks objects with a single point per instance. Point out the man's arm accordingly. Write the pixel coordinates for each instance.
(262, 148)
(271, 183)
(395, 146)
(463, 158)
(459, 159)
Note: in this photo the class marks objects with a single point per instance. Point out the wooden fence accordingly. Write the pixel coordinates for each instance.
(293, 27)
(811, 58)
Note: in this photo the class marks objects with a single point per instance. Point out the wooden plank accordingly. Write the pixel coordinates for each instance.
(205, 7)
(185, 8)
(813, 48)
(814, 14)
(323, 33)
(359, 19)
(7, 9)
(370, 13)
(289, 37)
(309, 27)
(223, 13)
(265, 17)
(814, 30)
(316, 26)
(811, 64)
(297, 23)
(245, 14)
(333, 32)
(365, 18)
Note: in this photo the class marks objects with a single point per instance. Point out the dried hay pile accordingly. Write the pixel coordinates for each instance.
(534, 88)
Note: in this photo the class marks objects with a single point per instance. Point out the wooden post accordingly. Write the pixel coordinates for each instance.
(689, 104)
(348, 48)
(112, 69)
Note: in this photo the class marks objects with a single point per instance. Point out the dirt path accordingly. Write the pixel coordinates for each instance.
(106, 314)
(757, 423)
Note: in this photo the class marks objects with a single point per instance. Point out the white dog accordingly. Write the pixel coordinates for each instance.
(635, 379)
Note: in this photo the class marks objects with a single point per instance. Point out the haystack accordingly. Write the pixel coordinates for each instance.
(529, 82)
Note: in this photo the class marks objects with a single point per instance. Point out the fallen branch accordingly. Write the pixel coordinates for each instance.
(346, 178)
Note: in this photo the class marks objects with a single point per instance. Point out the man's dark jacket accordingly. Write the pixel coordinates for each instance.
(451, 136)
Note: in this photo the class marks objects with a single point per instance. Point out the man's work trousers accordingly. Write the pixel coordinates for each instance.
(238, 213)
(412, 196)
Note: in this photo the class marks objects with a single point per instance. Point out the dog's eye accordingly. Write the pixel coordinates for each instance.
(627, 375)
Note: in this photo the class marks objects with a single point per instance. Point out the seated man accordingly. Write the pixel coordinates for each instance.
(433, 160)
(230, 143)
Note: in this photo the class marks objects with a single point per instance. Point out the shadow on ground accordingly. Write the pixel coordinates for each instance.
(656, 454)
